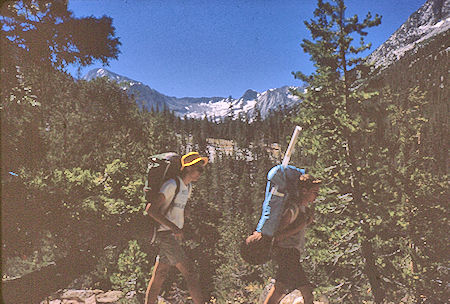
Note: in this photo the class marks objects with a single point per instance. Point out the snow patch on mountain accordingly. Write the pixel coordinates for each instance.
(212, 107)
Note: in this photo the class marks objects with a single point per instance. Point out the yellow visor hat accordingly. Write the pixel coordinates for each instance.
(193, 158)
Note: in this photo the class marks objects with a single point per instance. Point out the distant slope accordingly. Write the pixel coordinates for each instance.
(421, 63)
(214, 107)
(430, 20)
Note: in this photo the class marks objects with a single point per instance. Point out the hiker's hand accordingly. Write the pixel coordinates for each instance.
(254, 237)
(178, 234)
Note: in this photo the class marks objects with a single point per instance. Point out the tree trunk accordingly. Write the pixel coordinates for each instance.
(371, 271)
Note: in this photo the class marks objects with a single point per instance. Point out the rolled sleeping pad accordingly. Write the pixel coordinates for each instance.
(285, 180)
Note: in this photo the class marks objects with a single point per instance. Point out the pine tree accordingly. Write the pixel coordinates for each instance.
(232, 274)
(419, 196)
(332, 118)
(46, 36)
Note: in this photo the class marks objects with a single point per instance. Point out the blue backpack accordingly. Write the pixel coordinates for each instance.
(282, 185)
(285, 183)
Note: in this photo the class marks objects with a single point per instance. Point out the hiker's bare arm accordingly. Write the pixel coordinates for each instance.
(154, 210)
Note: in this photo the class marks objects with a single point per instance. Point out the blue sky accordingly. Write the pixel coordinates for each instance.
(221, 48)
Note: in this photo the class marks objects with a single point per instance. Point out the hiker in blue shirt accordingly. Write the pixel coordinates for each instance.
(170, 233)
(289, 242)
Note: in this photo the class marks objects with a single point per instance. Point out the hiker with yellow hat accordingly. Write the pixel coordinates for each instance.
(168, 210)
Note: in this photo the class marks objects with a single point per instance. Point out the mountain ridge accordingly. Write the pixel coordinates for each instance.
(431, 19)
(197, 107)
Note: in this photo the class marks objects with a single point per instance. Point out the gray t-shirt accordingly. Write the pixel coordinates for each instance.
(176, 212)
(297, 240)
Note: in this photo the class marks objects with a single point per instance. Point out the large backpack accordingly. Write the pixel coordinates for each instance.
(160, 168)
(285, 181)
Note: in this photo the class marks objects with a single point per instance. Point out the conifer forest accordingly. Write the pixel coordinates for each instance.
(74, 155)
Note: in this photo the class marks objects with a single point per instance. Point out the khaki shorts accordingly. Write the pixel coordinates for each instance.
(170, 250)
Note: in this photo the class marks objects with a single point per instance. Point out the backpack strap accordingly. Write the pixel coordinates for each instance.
(294, 210)
(177, 190)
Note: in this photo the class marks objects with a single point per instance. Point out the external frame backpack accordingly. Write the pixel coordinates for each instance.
(284, 180)
(160, 168)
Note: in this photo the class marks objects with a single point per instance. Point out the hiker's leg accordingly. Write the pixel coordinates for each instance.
(159, 275)
(192, 281)
(291, 274)
(307, 293)
(275, 294)
(286, 278)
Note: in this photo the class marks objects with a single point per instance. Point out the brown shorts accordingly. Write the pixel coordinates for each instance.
(290, 272)
(170, 250)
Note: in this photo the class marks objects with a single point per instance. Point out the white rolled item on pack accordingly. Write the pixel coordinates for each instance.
(290, 149)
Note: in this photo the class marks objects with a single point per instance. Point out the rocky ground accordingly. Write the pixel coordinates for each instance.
(96, 296)
(73, 296)
(294, 297)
